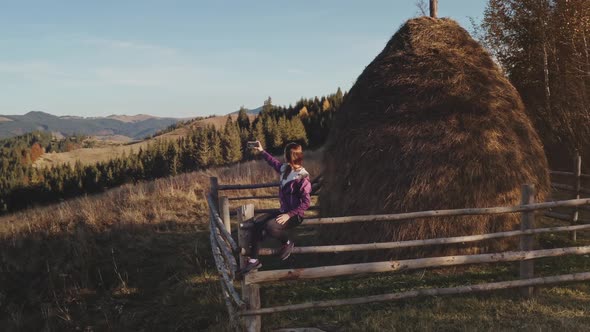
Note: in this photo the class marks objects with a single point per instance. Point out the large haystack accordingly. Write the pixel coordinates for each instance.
(431, 123)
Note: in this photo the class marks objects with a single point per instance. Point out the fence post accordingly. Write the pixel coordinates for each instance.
(224, 212)
(527, 268)
(250, 293)
(577, 175)
(215, 191)
(434, 8)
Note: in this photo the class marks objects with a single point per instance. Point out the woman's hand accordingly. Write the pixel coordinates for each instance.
(282, 218)
(258, 147)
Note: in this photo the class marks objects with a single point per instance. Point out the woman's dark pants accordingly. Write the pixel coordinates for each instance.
(265, 224)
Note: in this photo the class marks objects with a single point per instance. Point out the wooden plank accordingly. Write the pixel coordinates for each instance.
(258, 197)
(440, 213)
(467, 289)
(311, 208)
(247, 186)
(225, 277)
(221, 227)
(561, 173)
(583, 176)
(562, 186)
(420, 243)
(214, 190)
(527, 221)
(410, 264)
(257, 211)
(434, 8)
(232, 312)
(253, 197)
(225, 250)
(570, 188)
(259, 185)
(250, 293)
(567, 217)
(224, 211)
(558, 216)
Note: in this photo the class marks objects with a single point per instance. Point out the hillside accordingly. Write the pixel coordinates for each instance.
(138, 258)
(122, 260)
(112, 149)
(135, 127)
(131, 118)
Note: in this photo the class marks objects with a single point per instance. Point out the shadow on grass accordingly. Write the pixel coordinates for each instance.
(132, 277)
(551, 308)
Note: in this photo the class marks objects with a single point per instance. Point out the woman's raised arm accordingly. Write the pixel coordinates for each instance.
(272, 161)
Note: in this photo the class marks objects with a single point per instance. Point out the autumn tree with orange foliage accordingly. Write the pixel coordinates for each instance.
(36, 152)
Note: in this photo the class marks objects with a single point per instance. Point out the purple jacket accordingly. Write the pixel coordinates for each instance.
(294, 195)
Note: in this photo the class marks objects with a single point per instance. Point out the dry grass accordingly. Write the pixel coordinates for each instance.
(103, 152)
(125, 261)
(446, 129)
(106, 152)
(122, 260)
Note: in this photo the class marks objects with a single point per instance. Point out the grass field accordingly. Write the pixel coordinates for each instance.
(125, 261)
(105, 152)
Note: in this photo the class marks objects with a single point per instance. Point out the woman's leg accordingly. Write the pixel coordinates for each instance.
(257, 234)
(278, 231)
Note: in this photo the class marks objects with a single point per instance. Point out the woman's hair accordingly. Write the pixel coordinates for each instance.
(293, 156)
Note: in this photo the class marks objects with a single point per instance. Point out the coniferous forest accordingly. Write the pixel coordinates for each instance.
(23, 185)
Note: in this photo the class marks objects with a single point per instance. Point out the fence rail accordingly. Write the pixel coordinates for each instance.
(409, 264)
(248, 306)
(421, 243)
(446, 213)
(583, 176)
(486, 287)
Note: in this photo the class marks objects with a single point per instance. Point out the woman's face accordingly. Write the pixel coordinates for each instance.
(294, 155)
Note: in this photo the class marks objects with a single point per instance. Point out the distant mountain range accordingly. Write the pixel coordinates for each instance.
(135, 127)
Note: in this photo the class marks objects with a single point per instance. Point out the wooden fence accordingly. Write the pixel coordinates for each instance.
(245, 310)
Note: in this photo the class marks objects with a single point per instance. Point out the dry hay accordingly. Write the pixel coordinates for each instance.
(431, 123)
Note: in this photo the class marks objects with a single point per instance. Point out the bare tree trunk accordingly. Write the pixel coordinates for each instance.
(586, 50)
(546, 77)
(586, 70)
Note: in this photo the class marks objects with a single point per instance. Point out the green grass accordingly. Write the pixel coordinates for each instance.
(565, 306)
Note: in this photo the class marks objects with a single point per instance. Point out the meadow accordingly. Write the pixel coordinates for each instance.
(113, 149)
(138, 258)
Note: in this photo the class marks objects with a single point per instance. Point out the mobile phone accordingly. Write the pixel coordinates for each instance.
(252, 144)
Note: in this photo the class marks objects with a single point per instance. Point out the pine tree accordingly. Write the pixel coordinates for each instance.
(231, 143)
(201, 150)
(160, 166)
(215, 147)
(298, 131)
(267, 106)
(283, 129)
(258, 133)
(243, 119)
(276, 135)
(338, 98)
(172, 159)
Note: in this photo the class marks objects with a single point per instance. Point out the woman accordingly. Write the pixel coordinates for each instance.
(294, 194)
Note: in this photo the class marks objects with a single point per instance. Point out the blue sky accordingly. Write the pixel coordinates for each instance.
(190, 58)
